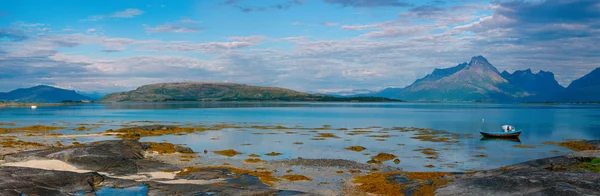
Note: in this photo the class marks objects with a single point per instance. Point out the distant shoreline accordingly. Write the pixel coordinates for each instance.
(339, 100)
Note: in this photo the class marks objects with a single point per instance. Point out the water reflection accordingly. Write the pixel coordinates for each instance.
(504, 140)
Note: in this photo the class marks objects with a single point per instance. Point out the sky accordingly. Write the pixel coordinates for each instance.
(306, 45)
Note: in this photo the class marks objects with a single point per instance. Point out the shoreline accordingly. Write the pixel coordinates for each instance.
(171, 165)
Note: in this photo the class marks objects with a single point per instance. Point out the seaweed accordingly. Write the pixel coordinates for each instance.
(253, 155)
(522, 146)
(254, 160)
(356, 148)
(382, 183)
(296, 177)
(576, 145)
(383, 156)
(228, 152)
(273, 154)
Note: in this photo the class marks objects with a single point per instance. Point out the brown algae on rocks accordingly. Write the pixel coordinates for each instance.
(356, 148)
(82, 128)
(327, 135)
(228, 152)
(374, 161)
(522, 146)
(354, 171)
(296, 177)
(134, 133)
(265, 177)
(253, 155)
(166, 148)
(383, 156)
(273, 154)
(254, 160)
(420, 183)
(7, 124)
(576, 145)
(35, 128)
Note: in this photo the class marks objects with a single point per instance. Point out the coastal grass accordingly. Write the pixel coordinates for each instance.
(593, 165)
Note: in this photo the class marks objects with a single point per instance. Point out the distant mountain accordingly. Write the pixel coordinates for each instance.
(388, 93)
(477, 80)
(93, 95)
(540, 87)
(351, 93)
(42, 94)
(203, 91)
(584, 89)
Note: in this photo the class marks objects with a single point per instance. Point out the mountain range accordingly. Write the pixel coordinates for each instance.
(42, 94)
(479, 80)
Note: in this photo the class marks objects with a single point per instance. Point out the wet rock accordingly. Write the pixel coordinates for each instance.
(183, 149)
(205, 174)
(526, 182)
(550, 176)
(153, 166)
(585, 154)
(594, 142)
(28, 181)
(192, 189)
(117, 157)
(331, 163)
(154, 127)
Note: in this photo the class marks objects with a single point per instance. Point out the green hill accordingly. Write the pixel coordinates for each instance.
(201, 91)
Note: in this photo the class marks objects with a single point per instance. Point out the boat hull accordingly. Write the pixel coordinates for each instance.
(501, 134)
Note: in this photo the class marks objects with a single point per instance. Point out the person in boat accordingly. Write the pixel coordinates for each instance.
(508, 128)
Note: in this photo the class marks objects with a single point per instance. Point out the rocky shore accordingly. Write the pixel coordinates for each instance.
(168, 169)
(98, 160)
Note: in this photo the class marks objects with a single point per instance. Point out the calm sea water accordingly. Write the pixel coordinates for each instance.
(540, 123)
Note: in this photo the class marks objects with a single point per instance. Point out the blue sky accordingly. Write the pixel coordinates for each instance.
(307, 45)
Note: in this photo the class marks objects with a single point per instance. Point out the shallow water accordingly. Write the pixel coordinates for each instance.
(140, 190)
(539, 123)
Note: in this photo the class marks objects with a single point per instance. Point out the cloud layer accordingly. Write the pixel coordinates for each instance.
(562, 36)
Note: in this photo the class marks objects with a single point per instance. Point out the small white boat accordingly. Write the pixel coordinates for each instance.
(33, 107)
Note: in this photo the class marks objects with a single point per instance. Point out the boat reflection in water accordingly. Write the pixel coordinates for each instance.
(501, 139)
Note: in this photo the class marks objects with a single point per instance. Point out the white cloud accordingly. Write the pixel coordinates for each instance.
(440, 38)
(188, 21)
(127, 13)
(172, 29)
(330, 24)
(185, 25)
